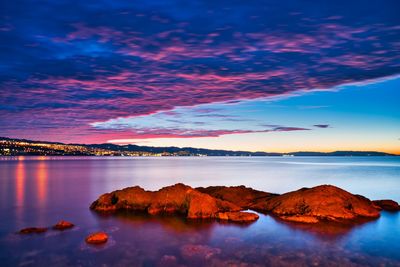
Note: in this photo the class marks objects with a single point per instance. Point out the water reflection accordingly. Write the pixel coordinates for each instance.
(181, 225)
(41, 181)
(41, 191)
(156, 240)
(327, 230)
(20, 186)
(175, 224)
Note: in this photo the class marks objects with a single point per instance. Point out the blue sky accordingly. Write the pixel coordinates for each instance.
(345, 117)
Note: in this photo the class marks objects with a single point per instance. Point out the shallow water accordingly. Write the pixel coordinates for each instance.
(39, 191)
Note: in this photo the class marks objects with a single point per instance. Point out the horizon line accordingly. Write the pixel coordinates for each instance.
(183, 147)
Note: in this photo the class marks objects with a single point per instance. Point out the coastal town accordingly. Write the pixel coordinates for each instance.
(22, 147)
(11, 147)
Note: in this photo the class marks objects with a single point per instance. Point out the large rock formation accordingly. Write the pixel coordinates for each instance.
(320, 203)
(242, 196)
(324, 202)
(307, 205)
(176, 199)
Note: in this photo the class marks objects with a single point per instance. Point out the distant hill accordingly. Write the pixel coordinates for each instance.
(184, 150)
(14, 147)
(342, 153)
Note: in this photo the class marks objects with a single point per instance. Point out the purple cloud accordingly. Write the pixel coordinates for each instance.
(64, 67)
(149, 133)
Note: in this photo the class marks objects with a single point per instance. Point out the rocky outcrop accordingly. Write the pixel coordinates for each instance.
(97, 238)
(307, 205)
(312, 205)
(63, 225)
(387, 204)
(242, 196)
(320, 203)
(33, 230)
(176, 199)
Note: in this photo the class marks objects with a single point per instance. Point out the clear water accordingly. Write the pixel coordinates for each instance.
(39, 191)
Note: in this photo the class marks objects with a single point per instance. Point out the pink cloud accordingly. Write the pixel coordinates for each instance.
(162, 70)
(150, 133)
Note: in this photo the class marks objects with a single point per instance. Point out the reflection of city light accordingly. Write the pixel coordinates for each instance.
(17, 147)
(20, 182)
(41, 177)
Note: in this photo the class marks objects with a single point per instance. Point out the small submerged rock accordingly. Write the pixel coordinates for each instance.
(198, 252)
(63, 225)
(97, 238)
(237, 216)
(387, 204)
(168, 261)
(33, 230)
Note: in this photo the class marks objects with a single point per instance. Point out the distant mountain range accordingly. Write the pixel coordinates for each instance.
(15, 147)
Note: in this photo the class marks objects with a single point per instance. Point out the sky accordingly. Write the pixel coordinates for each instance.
(270, 75)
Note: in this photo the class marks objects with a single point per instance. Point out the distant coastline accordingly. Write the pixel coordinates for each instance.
(20, 147)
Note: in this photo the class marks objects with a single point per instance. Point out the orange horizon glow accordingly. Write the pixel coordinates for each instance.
(283, 143)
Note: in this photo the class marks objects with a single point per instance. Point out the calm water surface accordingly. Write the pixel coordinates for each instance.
(39, 191)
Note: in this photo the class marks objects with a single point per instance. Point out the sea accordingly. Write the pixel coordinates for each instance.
(40, 191)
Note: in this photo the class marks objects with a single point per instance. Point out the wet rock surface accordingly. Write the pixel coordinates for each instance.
(306, 205)
(176, 199)
(320, 203)
(244, 197)
(33, 230)
(63, 225)
(237, 216)
(97, 238)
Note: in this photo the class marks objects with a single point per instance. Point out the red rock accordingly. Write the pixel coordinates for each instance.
(63, 225)
(33, 230)
(242, 196)
(237, 216)
(176, 199)
(97, 238)
(308, 205)
(324, 202)
(387, 204)
(198, 252)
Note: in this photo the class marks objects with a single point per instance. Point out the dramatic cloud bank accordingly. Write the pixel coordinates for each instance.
(66, 65)
(147, 133)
